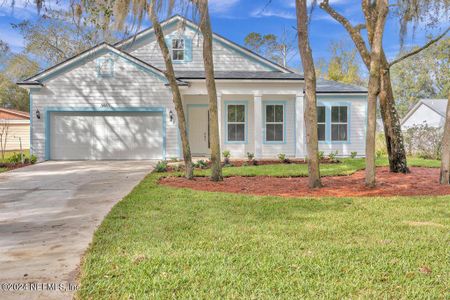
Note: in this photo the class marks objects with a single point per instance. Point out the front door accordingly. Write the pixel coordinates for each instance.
(199, 129)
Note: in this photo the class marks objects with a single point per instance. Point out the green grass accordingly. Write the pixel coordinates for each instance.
(161, 242)
(3, 170)
(347, 167)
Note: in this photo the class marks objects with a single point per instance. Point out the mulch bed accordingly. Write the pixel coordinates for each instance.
(421, 181)
(12, 166)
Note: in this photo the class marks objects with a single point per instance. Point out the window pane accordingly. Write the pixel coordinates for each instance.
(236, 132)
(278, 132)
(339, 132)
(343, 114)
(279, 113)
(321, 132)
(240, 113)
(231, 113)
(240, 132)
(177, 44)
(321, 114)
(270, 114)
(270, 132)
(178, 54)
(231, 131)
(335, 114)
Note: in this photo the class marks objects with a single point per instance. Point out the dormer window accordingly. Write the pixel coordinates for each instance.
(105, 67)
(178, 49)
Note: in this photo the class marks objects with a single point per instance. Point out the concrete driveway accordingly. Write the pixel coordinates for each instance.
(48, 214)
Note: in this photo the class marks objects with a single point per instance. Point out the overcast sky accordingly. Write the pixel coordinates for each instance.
(234, 19)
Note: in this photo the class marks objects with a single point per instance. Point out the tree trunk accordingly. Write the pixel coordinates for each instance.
(391, 122)
(392, 129)
(205, 28)
(445, 161)
(310, 93)
(176, 95)
(374, 90)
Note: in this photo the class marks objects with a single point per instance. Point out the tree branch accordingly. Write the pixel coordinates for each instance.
(431, 42)
(353, 31)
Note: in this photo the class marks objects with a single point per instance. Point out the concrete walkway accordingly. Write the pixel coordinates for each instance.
(48, 214)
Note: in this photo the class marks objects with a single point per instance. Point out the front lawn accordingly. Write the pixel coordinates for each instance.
(347, 166)
(162, 242)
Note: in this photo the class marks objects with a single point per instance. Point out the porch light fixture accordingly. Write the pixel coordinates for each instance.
(171, 116)
(38, 114)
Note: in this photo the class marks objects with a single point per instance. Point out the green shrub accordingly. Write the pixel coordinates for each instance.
(16, 158)
(250, 156)
(161, 166)
(202, 164)
(353, 154)
(33, 159)
(226, 157)
(332, 156)
(321, 155)
(282, 157)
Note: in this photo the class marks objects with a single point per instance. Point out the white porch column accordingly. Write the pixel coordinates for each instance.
(219, 113)
(257, 117)
(299, 126)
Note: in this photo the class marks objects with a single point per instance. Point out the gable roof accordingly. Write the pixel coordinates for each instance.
(439, 106)
(217, 37)
(96, 50)
(14, 114)
(330, 86)
(244, 75)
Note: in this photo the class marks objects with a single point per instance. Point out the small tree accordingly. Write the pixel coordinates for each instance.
(4, 129)
(445, 161)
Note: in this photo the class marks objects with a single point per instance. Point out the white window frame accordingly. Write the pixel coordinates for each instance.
(178, 49)
(338, 123)
(237, 123)
(106, 63)
(282, 141)
(322, 123)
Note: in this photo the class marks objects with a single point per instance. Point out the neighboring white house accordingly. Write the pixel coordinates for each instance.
(113, 102)
(429, 111)
(15, 128)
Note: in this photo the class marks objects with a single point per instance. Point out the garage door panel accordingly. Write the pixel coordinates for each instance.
(69, 143)
(107, 136)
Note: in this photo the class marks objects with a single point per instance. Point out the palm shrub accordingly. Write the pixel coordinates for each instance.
(226, 157)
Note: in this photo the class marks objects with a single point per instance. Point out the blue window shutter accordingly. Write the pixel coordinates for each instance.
(187, 49)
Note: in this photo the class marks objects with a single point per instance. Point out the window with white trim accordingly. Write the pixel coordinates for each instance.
(105, 67)
(339, 123)
(274, 123)
(236, 122)
(178, 49)
(321, 123)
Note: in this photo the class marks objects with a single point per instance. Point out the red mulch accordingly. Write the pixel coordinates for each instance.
(421, 181)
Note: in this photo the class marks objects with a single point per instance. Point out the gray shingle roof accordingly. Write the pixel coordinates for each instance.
(329, 86)
(245, 75)
(438, 105)
(323, 86)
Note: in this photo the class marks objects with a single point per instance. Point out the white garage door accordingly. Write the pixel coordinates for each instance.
(106, 135)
